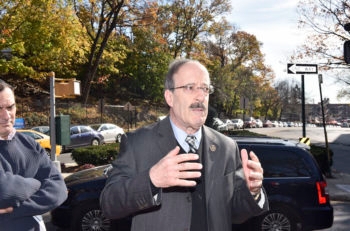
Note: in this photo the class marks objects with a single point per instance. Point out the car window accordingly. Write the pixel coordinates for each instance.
(280, 162)
(33, 135)
(85, 129)
(74, 130)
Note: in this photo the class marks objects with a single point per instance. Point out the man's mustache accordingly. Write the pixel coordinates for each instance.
(198, 105)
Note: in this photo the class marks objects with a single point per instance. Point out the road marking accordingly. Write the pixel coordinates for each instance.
(344, 187)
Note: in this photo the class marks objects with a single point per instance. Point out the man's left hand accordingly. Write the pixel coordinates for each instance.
(6, 210)
(253, 171)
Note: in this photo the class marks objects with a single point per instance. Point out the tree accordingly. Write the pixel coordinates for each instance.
(238, 69)
(290, 97)
(100, 19)
(327, 19)
(40, 36)
(182, 22)
(145, 67)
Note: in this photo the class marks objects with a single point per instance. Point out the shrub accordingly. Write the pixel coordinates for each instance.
(96, 155)
(321, 156)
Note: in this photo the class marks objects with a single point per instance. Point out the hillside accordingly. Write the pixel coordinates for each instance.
(33, 104)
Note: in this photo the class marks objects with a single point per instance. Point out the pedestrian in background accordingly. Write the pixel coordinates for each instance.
(179, 174)
(30, 184)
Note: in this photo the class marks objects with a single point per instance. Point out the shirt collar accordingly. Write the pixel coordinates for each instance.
(11, 135)
(180, 136)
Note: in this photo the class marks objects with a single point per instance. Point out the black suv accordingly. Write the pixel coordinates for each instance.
(294, 184)
(295, 187)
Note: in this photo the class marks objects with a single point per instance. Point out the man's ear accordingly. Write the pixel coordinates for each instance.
(168, 95)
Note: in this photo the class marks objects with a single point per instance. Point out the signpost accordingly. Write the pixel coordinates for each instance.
(302, 69)
(66, 88)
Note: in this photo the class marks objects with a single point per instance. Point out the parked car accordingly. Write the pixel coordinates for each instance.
(290, 124)
(230, 125)
(275, 124)
(42, 129)
(111, 132)
(295, 186)
(237, 123)
(249, 122)
(219, 125)
(83, 135)
(267, 124)
(259, 123)
(42, 139)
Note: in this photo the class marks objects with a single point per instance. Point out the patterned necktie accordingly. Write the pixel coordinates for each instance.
(191, 140)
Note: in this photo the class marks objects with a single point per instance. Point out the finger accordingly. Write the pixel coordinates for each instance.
(188, 166)
(173, 152)
(185, 183)
(254, 164)
(6, 210)
(187, 158)
(189, 175)
(244, 156)
(256, 176)
(253, 157)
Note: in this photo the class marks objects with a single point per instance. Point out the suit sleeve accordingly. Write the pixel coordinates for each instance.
(244, 206)
(127, 190)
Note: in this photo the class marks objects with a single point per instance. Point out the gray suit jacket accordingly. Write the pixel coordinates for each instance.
(128, 192)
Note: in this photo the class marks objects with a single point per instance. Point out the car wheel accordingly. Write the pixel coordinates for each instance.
(95, 142)
(88, 217)
(119, 138)
(278, 220)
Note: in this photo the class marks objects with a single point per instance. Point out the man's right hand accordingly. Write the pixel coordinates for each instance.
(176, 170)
(6, 210)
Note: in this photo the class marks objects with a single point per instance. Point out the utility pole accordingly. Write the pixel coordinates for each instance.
(52, 122)
(320, 81)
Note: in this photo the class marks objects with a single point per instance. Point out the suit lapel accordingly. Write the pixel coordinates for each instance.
(210, 152)
(165, 136)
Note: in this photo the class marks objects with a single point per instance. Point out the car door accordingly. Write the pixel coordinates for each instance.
(86, 136)
(74, 136)
(108, 132)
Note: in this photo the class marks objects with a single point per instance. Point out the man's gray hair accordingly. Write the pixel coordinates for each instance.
(4, 85)
(173, 69)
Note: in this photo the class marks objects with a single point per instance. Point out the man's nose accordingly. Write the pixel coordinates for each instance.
(200, 94)
(4, 113)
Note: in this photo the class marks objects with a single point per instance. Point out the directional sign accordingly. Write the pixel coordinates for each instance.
(302, 68)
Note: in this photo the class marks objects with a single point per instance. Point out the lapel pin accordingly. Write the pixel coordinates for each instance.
(212, 148)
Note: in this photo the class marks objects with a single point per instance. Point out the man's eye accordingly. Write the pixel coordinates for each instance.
(190, 87)
(9, 108)
(206, 89)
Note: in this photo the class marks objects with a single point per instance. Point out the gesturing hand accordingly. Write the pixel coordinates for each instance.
(253, 171)
(6, 210)
(176, 170)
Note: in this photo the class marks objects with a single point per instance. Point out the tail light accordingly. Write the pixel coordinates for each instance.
(322, 195)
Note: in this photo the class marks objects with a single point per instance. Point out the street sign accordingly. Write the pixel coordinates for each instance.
(302, 68)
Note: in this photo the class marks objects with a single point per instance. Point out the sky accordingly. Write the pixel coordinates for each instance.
(275, 24)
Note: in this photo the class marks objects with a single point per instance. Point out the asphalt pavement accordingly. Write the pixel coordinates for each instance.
(338, 186)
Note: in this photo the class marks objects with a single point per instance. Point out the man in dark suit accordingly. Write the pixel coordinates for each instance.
(167, 181)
